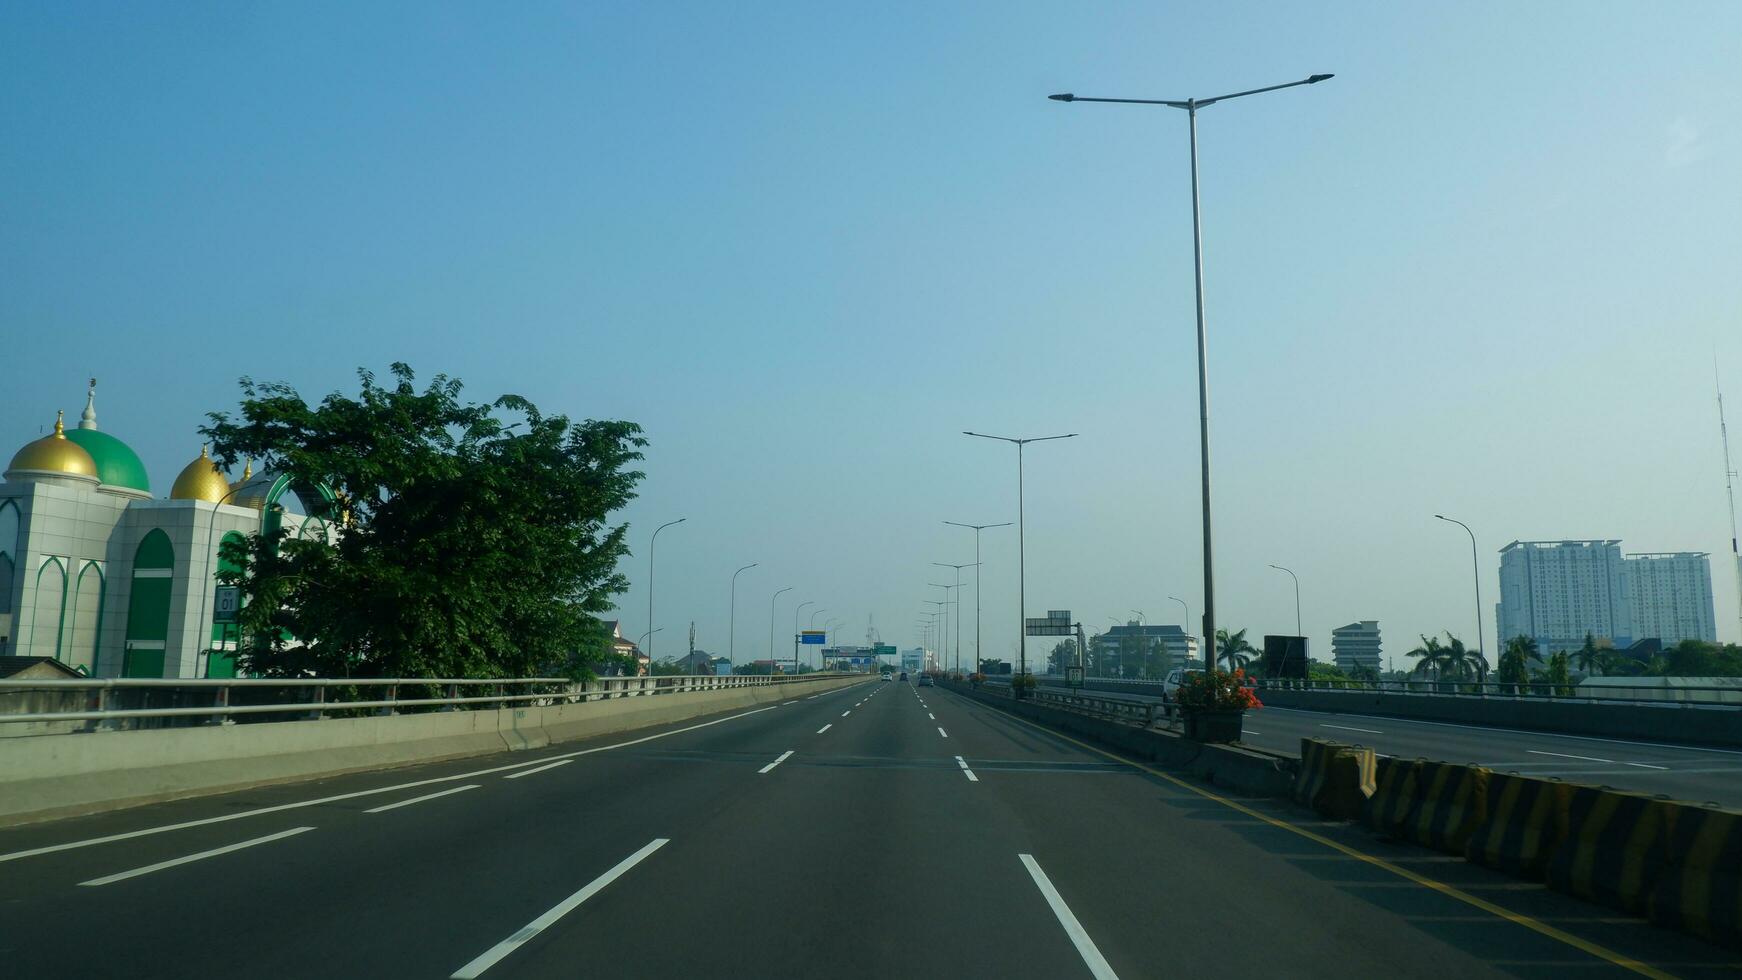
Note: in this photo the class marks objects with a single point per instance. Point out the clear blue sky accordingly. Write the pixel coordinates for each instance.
(1484, 271)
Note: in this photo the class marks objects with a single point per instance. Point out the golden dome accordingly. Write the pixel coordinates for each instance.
(250, 492)
(200, 480)
(56, 454)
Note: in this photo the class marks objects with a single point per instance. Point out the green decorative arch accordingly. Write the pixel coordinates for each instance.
(60, 618)
(318, 500)
(148, 606)
(102, 600)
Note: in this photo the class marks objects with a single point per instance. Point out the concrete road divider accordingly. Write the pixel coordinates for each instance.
(1334, 778)
(1701, 889)
(1393, 794)
(1615, 848)
(1525, 820)
(1450, 802)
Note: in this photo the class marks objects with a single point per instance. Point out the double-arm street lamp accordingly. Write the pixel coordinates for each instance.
(1191, 106)
(958, 598)
(978, 571)
(1021, 545)
(653, 541)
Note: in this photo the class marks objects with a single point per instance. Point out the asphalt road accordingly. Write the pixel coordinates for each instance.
(880, 831)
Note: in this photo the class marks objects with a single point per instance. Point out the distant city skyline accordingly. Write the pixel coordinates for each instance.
(805, 249)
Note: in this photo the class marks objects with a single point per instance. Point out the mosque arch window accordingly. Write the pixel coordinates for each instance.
(48, 612)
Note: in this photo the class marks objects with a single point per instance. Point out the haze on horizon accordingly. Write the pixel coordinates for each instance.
(1488, 271)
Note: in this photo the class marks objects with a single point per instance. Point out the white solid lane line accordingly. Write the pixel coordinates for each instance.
(942, 732)
(825, 728)
(776, 762)
(1644, 765)
(1346, 728)
(111, 838)
(528, 772)
(420, 799)
(494, 954)
(214, 852)
(1563, 755)
(1092, 957)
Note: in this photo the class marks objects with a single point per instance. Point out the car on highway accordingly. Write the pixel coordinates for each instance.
(1175, 677)
(925, 680)
(903, 676)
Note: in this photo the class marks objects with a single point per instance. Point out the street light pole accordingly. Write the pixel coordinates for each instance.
(796, 610)
(650, 630)
(1296, 578)
(1021, 543)
(771, 604)
(1476, 568)
(732, 641)
(940, 616)
(1191, 106)
(958, 586)
(978, 571)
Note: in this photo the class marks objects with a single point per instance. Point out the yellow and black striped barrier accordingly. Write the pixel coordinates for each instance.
(1701, 889)
(1451, 801)
(1334, 778)
(1393, 795)
(1525, 821)
(1615, 847)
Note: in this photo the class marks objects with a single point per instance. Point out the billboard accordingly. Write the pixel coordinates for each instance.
(813, 638)
(1057, 623)
(1285, 656)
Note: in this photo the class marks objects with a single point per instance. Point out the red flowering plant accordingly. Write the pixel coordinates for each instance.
(1220, 691)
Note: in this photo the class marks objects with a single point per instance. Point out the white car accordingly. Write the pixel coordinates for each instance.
(1175, 677)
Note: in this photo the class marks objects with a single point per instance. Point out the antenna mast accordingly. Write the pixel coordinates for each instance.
(1730, 491)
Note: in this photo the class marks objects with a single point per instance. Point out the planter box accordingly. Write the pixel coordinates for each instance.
(1214, 726)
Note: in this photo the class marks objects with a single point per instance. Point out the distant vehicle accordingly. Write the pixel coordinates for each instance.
(903, 676)
(1175, 677)
(925, 680)
(887, 677)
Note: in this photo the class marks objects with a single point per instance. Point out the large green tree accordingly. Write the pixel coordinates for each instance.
(473, 540)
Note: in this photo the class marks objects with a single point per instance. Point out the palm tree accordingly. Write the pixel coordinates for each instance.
(1233, 650)
(1461, 662)
(1513, 670)
(1587, 658)
(1433, 657)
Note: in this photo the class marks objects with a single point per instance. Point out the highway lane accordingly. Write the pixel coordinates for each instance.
(1683, 772)
(878, 831)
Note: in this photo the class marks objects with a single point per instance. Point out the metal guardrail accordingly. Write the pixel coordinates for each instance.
(101, 703)
(1695, 696)
(1702, 695)
(1144, 714)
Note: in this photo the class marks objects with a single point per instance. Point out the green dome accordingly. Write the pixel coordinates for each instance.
(117, 465)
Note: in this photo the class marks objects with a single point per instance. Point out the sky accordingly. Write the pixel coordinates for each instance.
(1489, 270)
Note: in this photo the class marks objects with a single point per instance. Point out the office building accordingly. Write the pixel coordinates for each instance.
(1558, 591)
(1672, 596)
(1356, 646)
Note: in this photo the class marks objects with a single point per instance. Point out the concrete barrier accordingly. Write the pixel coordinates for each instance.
(1335, 779)
(47, 776)
(1658, 722)
(1701, 889)
(1615, 848)
(1250, 772)
(1393, 794)
(1525, 822)
(1451, 801)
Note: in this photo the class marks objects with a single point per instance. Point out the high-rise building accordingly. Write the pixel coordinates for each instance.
(1356, 645)
(1558, 591)
(1672, 596)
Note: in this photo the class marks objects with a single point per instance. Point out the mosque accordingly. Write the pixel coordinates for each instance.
(106, 579)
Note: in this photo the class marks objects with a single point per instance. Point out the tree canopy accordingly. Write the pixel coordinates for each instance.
(469, 544)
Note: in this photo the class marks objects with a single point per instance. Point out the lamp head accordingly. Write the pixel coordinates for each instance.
(1314, 80)
(1068, 97)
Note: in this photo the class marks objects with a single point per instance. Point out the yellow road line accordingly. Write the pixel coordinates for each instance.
(1535, 925)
